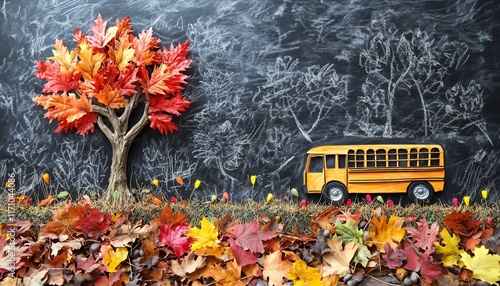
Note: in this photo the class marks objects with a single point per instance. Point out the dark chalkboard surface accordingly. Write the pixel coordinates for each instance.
(271, 79)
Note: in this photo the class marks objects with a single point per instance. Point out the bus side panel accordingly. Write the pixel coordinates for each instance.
(379, 188)
(393, 180)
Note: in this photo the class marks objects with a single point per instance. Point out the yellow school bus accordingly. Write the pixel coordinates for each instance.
(335, 171)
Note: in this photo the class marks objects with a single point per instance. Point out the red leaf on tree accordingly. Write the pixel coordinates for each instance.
(243, 257)
(174, 238)
(249, 236)
(56, 82)
(101, 35)
(83, 125)
(124, 27)
(174, 105)
(95, 223)
(162, 122)
(425, 236)
(144, 46)
(175, 58)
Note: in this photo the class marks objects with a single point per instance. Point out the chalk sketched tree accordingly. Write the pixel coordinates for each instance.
(107, 76)
(411, 62)
(306, 97)
(463, 107)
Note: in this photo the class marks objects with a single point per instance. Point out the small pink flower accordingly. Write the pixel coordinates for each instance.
(368, 198)
(304, 202)
(390, 203)
(348, 202)
(455, 202)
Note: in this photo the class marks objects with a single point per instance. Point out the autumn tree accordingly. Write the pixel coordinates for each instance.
(107, 76)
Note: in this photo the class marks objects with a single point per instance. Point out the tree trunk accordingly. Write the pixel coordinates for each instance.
(118, 193)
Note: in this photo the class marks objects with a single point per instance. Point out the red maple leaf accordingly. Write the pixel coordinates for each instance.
(393, 257)
(243, 257)
(174, 238)
(95, 223)
(162, 122)
(413, 258)
(176, 57)
(144, 46)
(425, 236)
(430, 270)
(56, 82)
(101, 36)
(83, 125)
(174, 105)
(249, 236)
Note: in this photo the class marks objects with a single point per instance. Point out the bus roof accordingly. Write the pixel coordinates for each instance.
(343, 149)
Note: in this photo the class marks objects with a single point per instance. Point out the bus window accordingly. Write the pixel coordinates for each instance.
(360, 158)
(435, 157)
(341, 161)
(316, 165)
(370, 158)
(330, 161)
(403, 157)
(413, 157)
(392, 158)
(381, 158)
(424, 157)
(350, 158)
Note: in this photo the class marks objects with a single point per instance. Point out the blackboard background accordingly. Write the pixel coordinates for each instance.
(271, 79)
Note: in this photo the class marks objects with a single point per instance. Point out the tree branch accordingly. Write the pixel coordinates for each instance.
(134, 131)
(105, 129)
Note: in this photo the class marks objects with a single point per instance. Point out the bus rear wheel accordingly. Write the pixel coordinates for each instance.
(420, 192)
(336, 193)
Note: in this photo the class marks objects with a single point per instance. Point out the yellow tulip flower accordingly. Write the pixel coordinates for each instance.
(484, 193)
(253, 179)
(197, 184)
(466, 200)
(269, 197)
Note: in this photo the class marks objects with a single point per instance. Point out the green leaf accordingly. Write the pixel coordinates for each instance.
(294, 192)
(62, 195)
(349, 231)
(116, 195)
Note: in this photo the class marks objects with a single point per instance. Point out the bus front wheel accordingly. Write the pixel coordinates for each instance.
(420, 192)
(336, 193)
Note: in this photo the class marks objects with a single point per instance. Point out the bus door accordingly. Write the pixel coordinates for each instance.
(315, 176)
(336, 169)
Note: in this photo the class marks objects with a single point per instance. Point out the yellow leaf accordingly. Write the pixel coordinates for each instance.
(383, 232)
(89, 63)
(450, 251)
(123, 54)
(206, 236)
(301, 274)
(62, 57)
(113, 258)
(466, 200)
(155, 182)
(484, 266)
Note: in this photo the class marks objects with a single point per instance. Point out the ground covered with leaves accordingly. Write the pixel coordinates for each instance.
(182, 244)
